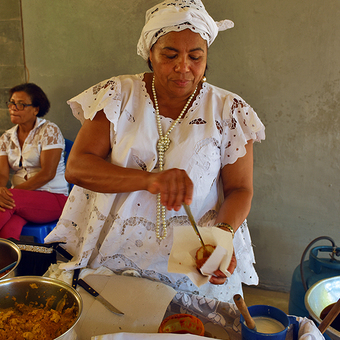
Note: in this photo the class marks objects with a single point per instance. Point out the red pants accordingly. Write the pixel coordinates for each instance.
(30, 206)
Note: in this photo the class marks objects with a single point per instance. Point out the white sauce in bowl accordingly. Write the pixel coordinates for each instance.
(268, 325)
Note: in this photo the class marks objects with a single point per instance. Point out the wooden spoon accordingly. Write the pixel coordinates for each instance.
(242, 307)
(332, 314)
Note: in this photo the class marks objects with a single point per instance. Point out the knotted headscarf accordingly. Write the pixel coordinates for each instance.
(178, 15)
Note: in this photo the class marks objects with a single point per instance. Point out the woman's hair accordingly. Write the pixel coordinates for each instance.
(38, 96)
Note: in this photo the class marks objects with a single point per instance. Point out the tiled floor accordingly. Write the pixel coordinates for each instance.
(257, 296)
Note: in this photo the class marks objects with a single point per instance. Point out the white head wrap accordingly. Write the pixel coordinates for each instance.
(178, 15)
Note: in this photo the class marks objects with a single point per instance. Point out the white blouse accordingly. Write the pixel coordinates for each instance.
(118, 230)
(25, 162)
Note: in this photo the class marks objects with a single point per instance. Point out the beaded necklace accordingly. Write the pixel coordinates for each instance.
(163, 145)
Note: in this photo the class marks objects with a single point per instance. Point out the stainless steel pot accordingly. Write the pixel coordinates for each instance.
(320, 295)
(9, 253)
(28, 289)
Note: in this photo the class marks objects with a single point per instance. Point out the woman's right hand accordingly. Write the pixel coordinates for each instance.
(6, 200)
(175, 188)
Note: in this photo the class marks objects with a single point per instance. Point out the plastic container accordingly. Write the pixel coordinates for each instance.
(265, 311)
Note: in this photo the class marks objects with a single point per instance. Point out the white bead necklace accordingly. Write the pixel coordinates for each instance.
(163, 145)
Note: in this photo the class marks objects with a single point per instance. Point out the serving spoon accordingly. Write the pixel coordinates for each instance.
(193, 223)
(8, 267)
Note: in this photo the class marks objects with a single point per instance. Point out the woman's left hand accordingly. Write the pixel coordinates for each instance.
(219, 278)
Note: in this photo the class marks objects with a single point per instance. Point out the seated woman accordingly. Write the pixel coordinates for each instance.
(33, 151)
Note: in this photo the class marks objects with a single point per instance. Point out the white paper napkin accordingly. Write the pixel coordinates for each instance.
(184, 248)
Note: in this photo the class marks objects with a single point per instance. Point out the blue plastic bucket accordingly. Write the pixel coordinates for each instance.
(265, 311)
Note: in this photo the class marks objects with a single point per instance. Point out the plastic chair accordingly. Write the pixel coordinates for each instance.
(40, 231)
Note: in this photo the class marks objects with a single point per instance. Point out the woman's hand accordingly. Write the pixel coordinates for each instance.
(219, 278)
(6, 200)
(175, 188)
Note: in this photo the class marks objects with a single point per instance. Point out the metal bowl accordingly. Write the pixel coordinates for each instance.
(9, 253)
(320, 295)
(26, 289)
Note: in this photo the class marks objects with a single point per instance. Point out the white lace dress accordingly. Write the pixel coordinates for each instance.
(118, 230)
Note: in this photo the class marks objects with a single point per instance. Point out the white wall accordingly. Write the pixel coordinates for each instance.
(282, 57)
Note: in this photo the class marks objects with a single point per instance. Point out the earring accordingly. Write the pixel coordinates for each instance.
(204, 79)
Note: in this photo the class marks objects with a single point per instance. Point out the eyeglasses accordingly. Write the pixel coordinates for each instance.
(18, 106)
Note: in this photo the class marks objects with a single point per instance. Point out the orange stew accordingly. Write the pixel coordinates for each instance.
(23, 322)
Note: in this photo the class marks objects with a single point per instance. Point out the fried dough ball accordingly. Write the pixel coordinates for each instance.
(202, 255)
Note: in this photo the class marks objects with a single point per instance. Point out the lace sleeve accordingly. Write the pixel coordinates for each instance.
(106, 96)
(240, 124)
(3, 145)
(52, 138)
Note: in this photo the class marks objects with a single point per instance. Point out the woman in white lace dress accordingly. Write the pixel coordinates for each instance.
(33, 151)
(153, 141)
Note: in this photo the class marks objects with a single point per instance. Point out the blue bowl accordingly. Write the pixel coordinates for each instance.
(265, 311)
